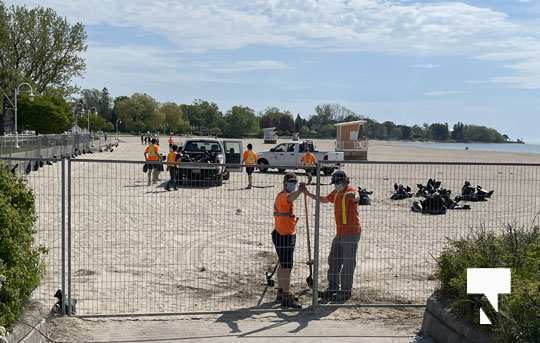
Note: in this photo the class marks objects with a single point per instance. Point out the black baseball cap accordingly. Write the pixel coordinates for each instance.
(290, 177)
(339, 177)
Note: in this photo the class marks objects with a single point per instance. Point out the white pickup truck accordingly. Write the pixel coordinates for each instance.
(290, 154)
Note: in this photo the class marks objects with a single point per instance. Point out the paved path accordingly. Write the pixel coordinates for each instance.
(370, 327)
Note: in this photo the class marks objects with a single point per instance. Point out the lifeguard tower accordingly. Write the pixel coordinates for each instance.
(270, 135)
(350, 142)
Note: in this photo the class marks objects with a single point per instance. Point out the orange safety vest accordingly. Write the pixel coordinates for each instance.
(284, 218)
(171, 159)
(153, 152)
(309, 159)
(346, 213)
(250, 157)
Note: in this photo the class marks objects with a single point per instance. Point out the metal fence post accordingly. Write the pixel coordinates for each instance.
(63, 185)
(69, 235)
(315, 299)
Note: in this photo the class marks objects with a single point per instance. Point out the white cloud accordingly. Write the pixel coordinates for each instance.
(248, 66)
(446, 28)
(426, 66)
(440, 93)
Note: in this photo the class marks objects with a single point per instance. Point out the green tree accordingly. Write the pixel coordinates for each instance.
(45, 114)
(439, 132)
(139, 112)
(203, 115)
(104, 107)
(20, 259)
(40, 47)
(100, 100)
(283, 121)
(241, 121)
(299, 123)
(458, 132)
(175, 120)
(98, 123)
(406, 132)
(417, 132)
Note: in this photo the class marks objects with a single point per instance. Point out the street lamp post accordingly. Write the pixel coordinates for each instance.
(78, 103)
(117, 122)
(94, 111)
(17, 92)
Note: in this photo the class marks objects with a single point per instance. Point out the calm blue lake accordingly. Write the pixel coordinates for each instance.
(509, 148)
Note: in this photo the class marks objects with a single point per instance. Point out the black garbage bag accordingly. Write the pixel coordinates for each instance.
(364, 196)
(401, 192)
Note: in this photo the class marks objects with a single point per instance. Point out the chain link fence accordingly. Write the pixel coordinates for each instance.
(133, 247)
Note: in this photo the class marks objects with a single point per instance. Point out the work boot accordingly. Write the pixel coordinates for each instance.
(279, 296)
(288, 301)
(341, 297)
(326, 295)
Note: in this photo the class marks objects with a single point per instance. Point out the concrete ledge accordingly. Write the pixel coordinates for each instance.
(34, 315)
(440, 325)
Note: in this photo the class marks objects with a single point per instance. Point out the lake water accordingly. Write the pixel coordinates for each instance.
(508, 148)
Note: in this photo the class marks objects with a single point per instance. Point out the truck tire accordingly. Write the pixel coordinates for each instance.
(218, 181)
(263, 161)
(328, 171)
(281, 170)
(226, 175)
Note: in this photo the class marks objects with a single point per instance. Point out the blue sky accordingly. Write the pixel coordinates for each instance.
(408, 61)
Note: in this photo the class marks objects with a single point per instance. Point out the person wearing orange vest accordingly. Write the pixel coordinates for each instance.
(151, 154)
(310, 161)
(249, 158)
(342, 257)
(284, 237)
(172, 168)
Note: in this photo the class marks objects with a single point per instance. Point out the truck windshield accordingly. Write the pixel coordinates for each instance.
(201, 146)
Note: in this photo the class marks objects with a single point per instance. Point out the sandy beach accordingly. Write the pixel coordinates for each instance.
(140, 249)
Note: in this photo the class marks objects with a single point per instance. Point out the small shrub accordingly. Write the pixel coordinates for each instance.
(20, 262)
(519, 317)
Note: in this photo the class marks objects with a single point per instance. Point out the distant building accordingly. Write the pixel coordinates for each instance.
(349, 141)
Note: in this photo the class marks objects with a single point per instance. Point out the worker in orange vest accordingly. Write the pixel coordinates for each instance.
(151, 154)
(310, 161)
(249, 158)
(342, 257)
(172, 168)
(284, 237)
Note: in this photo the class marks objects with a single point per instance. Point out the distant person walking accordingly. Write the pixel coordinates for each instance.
(172, 168)
(170, 140)
(151, 154)
(249, 158)
(142, 138)
(310, 161)
(284, 237)
(342, 257)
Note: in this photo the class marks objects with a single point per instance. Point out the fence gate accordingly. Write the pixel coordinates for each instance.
(118, 245)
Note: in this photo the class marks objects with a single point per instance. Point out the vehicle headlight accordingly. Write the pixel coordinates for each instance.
(221, 159)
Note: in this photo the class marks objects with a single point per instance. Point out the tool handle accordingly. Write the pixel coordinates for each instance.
(307, 226)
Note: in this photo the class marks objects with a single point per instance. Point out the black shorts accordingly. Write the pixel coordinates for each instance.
(249, 170)
(310, 171)
(284, 248)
